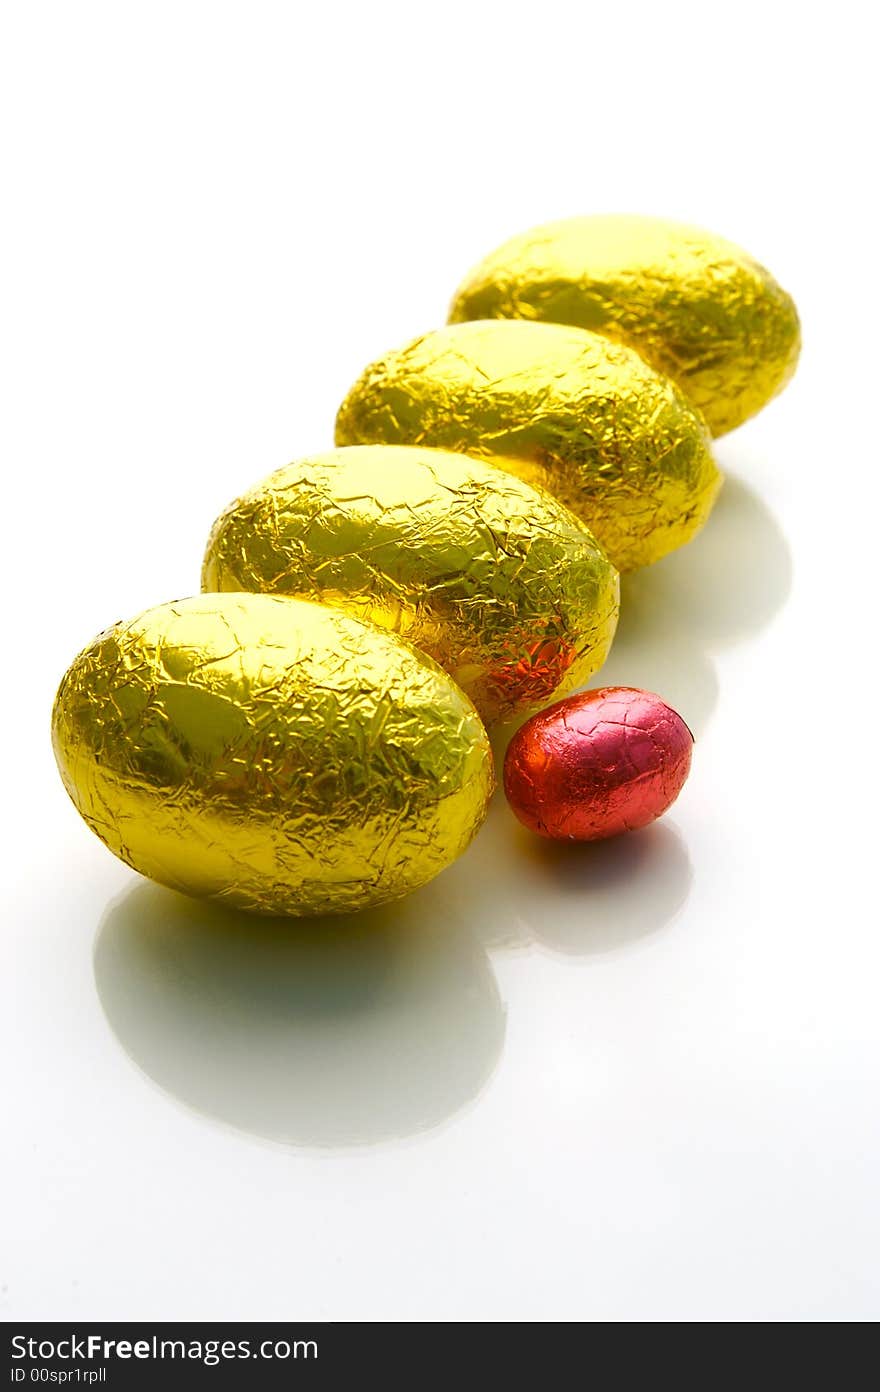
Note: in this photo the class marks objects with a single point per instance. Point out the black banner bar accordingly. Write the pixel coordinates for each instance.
(123, 1355)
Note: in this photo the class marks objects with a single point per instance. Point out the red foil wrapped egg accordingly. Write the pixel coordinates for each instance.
(597, 764)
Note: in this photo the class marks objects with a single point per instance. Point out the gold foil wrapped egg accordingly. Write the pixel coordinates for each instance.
(559, 407)
(696, 307)
(276, 755)
(496, 580)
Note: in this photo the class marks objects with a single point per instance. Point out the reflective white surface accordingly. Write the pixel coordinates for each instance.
(632, 1081)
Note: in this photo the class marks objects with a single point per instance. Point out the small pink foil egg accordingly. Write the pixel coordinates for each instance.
(597, 764)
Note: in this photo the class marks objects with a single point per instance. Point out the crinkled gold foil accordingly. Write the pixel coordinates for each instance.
(561, 408)
(277, 755)
(496, 580)
(695, 306)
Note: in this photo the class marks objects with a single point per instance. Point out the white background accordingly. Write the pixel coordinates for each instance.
(633, 1083)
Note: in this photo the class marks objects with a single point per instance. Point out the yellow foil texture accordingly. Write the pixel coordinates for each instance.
(273, 754)
(559, 407)
(696, 307)
(496, 580)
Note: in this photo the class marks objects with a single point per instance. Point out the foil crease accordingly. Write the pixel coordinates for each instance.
(694, 306)
(563, 409)
(276, 755)
(497, 581)
(597, 764)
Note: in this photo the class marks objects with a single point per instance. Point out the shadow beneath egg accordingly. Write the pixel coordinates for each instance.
(618, 892)
(654, 650)
(321, 1033)
(724, 585)
(340, 1032)
(607, 896)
